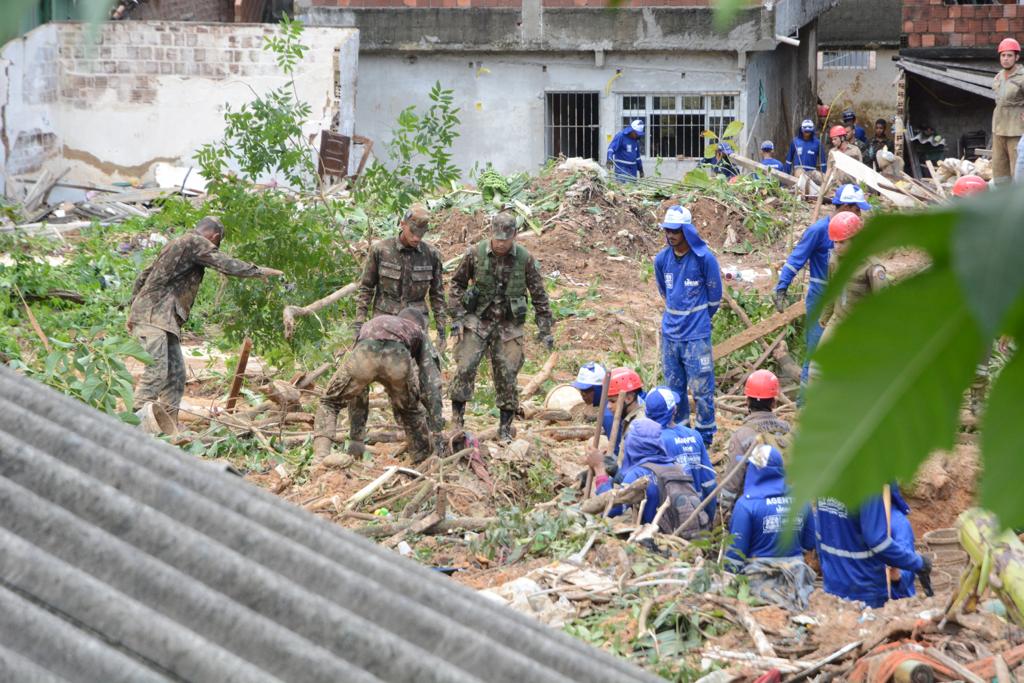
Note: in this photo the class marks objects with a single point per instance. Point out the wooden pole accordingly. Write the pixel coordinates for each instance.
(597, 429)
(236, 383)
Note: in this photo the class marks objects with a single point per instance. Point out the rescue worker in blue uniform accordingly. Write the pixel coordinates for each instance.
(805, 151)
(856, 548)
(625, 152)
(649, 459)
(767, 158)
(759, 518)
(813, 248)
(683, 444)
(690, 282)
(721, 164)
(903, 535)
(588, 382)
(850, 121)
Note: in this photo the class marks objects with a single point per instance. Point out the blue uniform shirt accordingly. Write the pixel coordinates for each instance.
(806, 154)
(624, 152)
(814, 247)
(691, 287)
(686, 447)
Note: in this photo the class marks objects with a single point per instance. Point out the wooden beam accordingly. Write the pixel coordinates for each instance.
(752, 334)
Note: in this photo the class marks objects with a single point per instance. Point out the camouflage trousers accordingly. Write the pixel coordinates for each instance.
(389, 363)
(430, 397)
(163, 381)
(504, 342)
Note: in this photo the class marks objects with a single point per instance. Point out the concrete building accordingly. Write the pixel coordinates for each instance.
(536, 79)
(858, 41)
(147, 92)
(948, 53)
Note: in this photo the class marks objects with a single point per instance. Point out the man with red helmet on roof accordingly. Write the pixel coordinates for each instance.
(762, 392)
(870, 277)
(1008, 117)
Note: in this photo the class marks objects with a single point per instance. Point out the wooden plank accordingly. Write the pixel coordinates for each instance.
(236, 383)
(875, 180)
(752, 334)
(785, 179)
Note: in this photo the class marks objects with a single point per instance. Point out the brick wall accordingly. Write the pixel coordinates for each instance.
(184, 10)
(627, 3)
(466, 4)
(127, 59)
(931, 23)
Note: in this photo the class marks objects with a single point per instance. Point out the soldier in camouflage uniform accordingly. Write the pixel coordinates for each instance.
(390, 349)
(400, 272)
(488, 317)
(161, 300)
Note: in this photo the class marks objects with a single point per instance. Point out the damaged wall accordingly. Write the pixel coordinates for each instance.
(147, 92)
(184, 10)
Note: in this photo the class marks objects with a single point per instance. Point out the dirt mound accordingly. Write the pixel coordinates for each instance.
(721, 226)
(944, 487)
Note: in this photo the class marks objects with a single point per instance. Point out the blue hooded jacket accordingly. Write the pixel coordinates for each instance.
(625, 154)
(609, 419)
(759, 518)
(854, 550)
(691, 287)
(643, 445)
(683, 444)
(806, 154)
(814, 247)
(773, 163)
(902, 534)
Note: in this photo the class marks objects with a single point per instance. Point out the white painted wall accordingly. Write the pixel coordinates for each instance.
(502, 96)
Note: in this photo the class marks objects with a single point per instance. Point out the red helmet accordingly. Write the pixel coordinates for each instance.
(823, 111)
(624, 379)
(837, 132)
(969, 184)
(843, 226)
(761, 384)
(1008, 45)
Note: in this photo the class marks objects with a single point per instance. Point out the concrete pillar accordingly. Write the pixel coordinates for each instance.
(533, 21)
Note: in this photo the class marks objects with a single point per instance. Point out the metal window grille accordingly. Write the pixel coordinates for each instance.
(846, 59)
(675, 123)
(571, 124)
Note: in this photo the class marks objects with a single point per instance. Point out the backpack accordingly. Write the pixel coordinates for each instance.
(676, 485)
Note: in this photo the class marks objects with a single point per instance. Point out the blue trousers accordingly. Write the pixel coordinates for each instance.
(812, 332)
(689, 368)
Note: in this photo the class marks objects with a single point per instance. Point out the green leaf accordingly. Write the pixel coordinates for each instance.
(992, 278)
(1000, 444)
(733, 129)
(725, 13)
(892, 377)
(931, 232)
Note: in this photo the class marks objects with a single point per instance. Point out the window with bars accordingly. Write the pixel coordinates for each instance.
(675, 123)
(846, 59)
(572, 125)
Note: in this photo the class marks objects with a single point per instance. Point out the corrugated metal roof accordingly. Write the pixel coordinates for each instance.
(125, 559)
(963, 75)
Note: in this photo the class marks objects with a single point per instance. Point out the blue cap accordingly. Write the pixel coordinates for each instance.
(851, 194)
(767, 146)
(660, 405)
(725, 148)
(807, 126)
(590, 376)
(676, 217)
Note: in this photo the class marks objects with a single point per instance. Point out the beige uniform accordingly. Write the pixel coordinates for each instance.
(1007, 121)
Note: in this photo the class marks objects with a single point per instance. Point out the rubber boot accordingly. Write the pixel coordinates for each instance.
(324, 427)
(440, 444)
(458, 414)
(505, 431)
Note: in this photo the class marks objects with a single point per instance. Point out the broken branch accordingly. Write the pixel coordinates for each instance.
(293, 312)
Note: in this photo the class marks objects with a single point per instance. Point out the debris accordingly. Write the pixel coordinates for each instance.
(545, 372)
(865, 175)
(765, 326)
(631, 494)
(293, 312)
(236, 382)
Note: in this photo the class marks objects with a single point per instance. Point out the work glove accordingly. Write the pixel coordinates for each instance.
(547, 339)
(924, 575)
(779, 299)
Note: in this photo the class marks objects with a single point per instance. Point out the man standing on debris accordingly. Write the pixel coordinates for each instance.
(690, 282)
(391, 350)
(1008, 117)
(627, 383)
(625, 152)
(399, 272)
(840, 138)
(488, 317)
(805, 152)
(762, 391)
(666, 478)
(880, 141)
(856, 548)
(813, 248)
(683, 444)
(162, 299)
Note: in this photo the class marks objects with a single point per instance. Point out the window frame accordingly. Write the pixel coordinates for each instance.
(679, 109)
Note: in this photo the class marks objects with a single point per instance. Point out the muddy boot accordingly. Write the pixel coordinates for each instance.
(355, 448)
(458, 415)
(505, 431)
(440, 444)
(324, 427)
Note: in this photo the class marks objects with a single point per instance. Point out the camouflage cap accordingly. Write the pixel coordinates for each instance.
(418, 217)
(503, 226)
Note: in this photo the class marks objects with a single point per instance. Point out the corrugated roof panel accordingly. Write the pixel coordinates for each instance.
(146, 555)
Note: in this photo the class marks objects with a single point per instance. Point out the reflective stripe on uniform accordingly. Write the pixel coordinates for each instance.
(817, 280)
(695, 309)
(855, 554)
(622, 161)
(790, 266)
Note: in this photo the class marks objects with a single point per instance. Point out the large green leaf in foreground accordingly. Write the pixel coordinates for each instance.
(892, 377)
(1001, 444)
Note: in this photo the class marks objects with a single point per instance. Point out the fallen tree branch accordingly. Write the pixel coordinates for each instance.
(534, 384)
(293, 312)
(564, 433)
(766, 326)
(746, 619)
(625, 495)
(442, 527)
(365, 492)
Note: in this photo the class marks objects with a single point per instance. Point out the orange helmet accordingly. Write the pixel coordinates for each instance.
(969, 184)
(1008, 45)
(624, 379)
(837, 132)
(761, 384)
(843, 226)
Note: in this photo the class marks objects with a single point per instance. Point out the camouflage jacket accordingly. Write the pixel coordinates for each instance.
(776, 433)
(392, 328)
(396, 276)
(868, 278)
(165, 291)
(494, 312)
